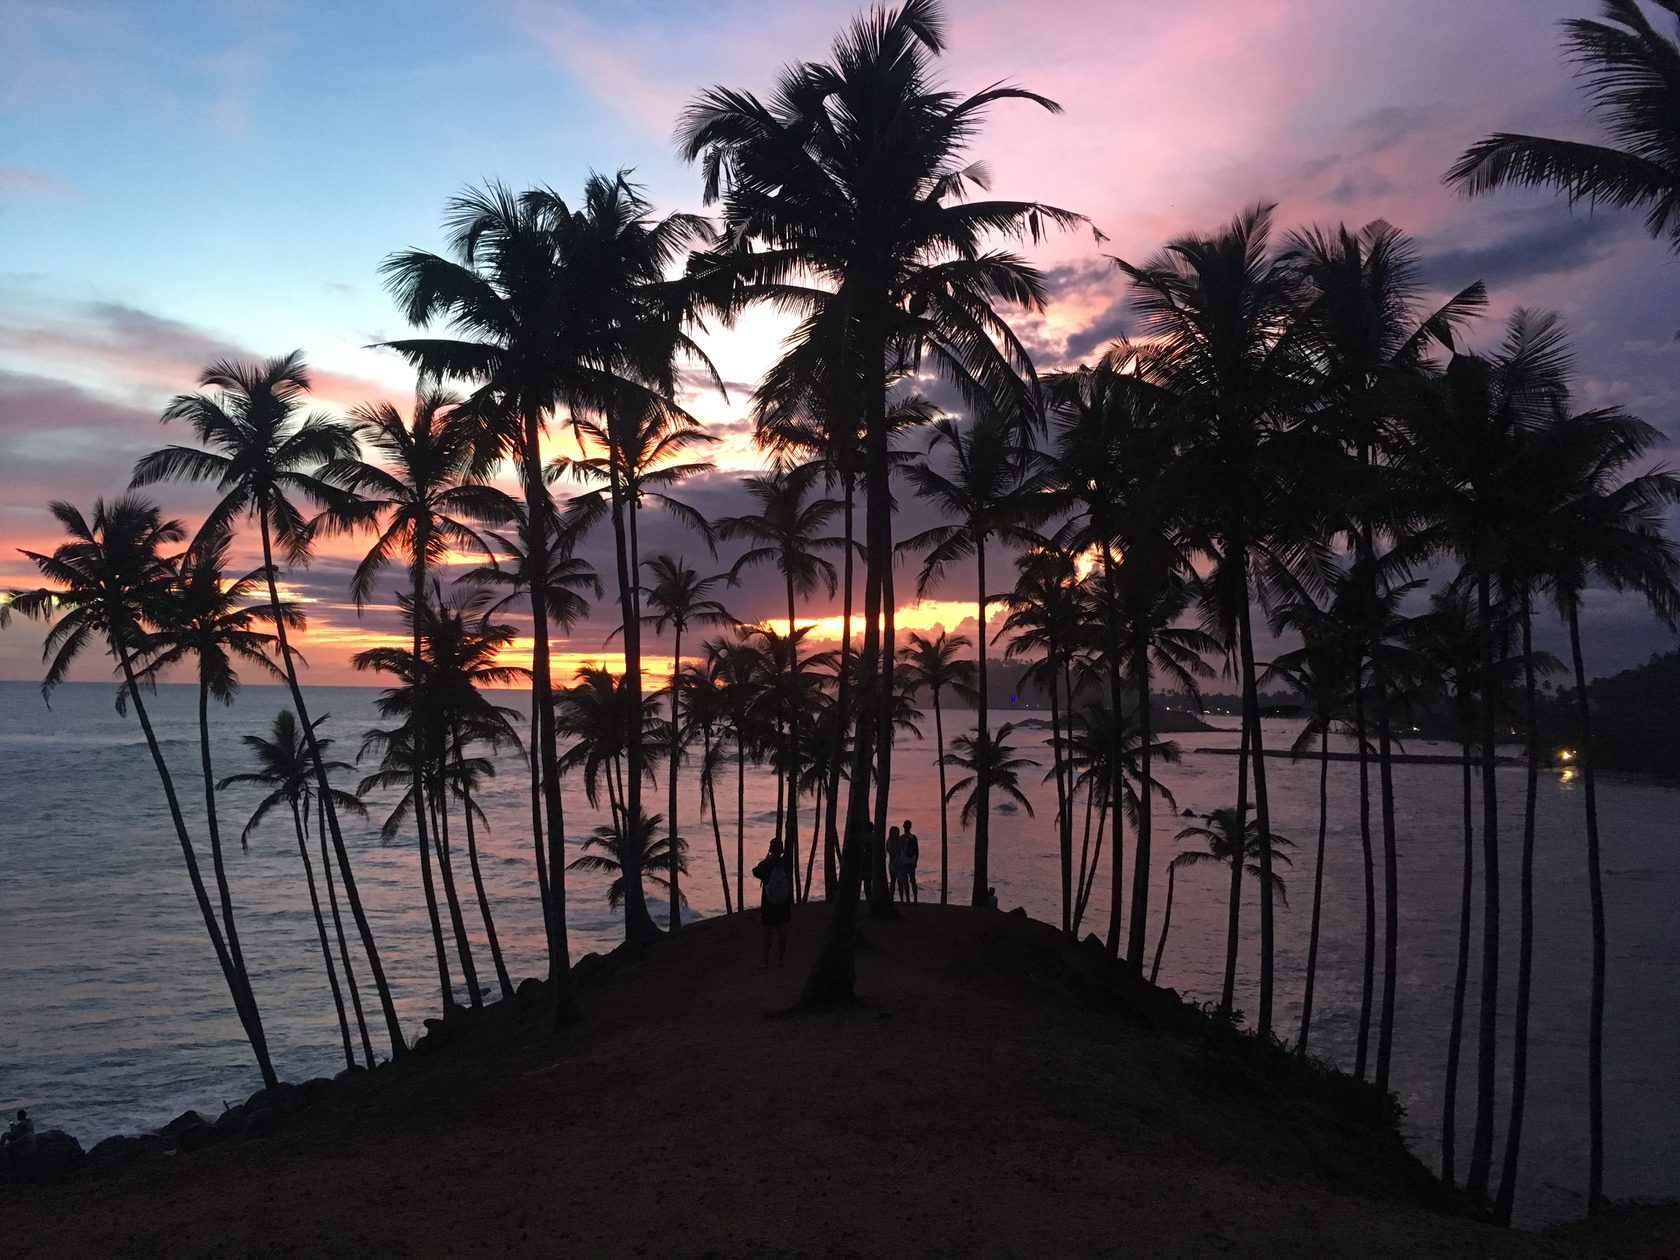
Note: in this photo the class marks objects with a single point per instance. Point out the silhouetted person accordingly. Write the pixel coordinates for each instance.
(20, 1134)
(912, 858)
(991, 898)
(895, 864)
(775, 901)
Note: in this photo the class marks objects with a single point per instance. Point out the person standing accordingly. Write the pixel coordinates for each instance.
(912, 856)
(775, 901)
(895, 864)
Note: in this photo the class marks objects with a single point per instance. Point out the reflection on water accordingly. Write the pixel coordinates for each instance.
(113, 1015)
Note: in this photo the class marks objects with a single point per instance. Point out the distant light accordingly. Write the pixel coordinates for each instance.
(1567, 754)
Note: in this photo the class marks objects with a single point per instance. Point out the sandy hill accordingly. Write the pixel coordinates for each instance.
(997, 1093)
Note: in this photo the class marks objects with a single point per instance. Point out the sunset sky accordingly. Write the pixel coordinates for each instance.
(180, 182)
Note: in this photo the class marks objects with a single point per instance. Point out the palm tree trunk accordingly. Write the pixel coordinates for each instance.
(545, 751)
(236, 988)
(671, 803)
(321, 935)
(1081, 882)
(833, 975)
(740, 816)
(1368, 973)
(1166, 922)
(343, 944)
(982, 782)
(1461, 969)
(1233, 914)
(1318, 887)
(1525, 915)
(1135, 944)
(352, 894)
(1595, 894)
(1391, 871)
(502, 977)
(708, 792)
(1481, 1147)
(944, 809)
(1262, 812)
(1116, 755)
(535, 760)
(1096, 861)
(842, 707)
(816, 841)
(445, 985)
(882, 906)
(1064, 832)
(639, 926)
(790, 829)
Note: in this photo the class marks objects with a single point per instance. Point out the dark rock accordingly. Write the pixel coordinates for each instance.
(282, 1096)
(587, 966)
(186, 1120)
(57, 1153)
(313, 1092)
(528, 990)
(354, 1072)
(229, 1121)
(197, 1137)
(122, 1150)
(259, 1123)
(1019, 912)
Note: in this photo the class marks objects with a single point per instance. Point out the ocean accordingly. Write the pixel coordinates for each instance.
(114, 1016)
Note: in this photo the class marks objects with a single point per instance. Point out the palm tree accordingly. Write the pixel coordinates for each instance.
(104, 577)
(932, 665)
(1598, 524)
(550, 307)
(991, 494)
(991, 764)
(787, 535)
(739, 668)
(1220, 311)
(562, 588)
(1628, 67)
(609, 860)
(843, 202)
(599, 711)
(283, 767)
(1324, 670)
(1468, 469)
(260, 456)
(203, 617)
(1239, 844)
(708, 713)
(679, 598)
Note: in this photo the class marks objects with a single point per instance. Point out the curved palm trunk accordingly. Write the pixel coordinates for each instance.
(1391, 871)
(321, 935)
(502, 977)
(790, 829)
(740, 817)
(457, 920)
(535, 764)
(1318, 888)
(1481, 1147)
(445, 985)
(882, 906)
(639, 926)
(236, 989)
(982, 784)
(1091, 872)
(1461, 968)
(671, 803)
(1595, 893)
(1368, 973)
(537, 508)
(1525, 945)
(1064, 829)
(815, 842)
(1166, 922)
(343, 944)
(235, 954)
(842, 712)
(352, 895)
(708, 793)
(1082, 883)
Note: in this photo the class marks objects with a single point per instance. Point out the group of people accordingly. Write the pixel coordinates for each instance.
(775, 902)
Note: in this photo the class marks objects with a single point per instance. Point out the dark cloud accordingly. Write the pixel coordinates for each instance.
(1113, 323)
(1544, 241)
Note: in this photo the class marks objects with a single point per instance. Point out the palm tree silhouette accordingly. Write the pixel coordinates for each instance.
(992, 494)
(260, 456)
(933, 665)
(1627, 66)
(284, 768)
(1220, 311)
(610, 860)
(679, 598)
(852, 175)
(104, 577)
(1230, 843)
(991, 765)
(787, 535)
